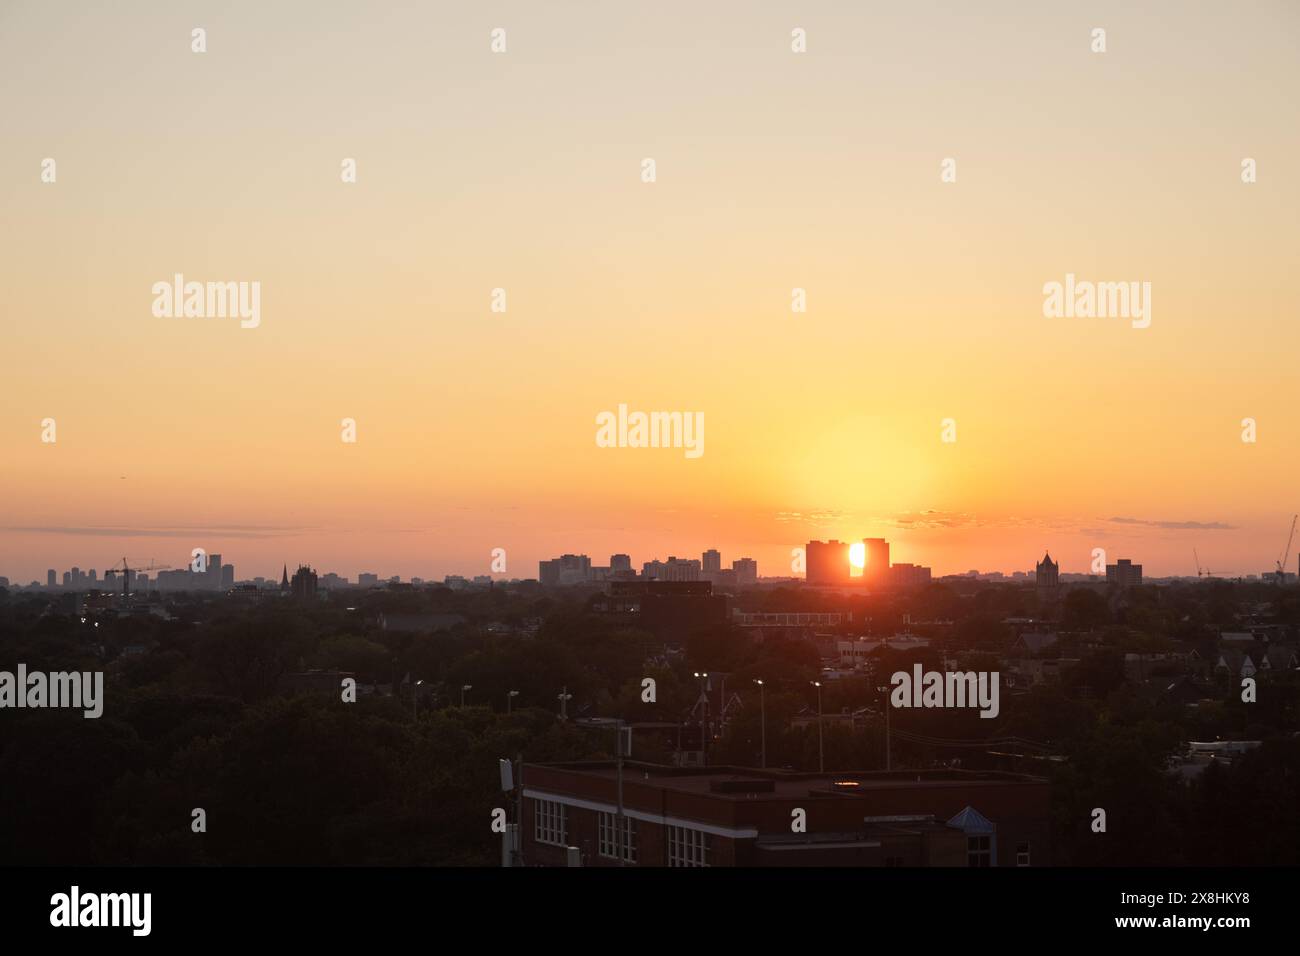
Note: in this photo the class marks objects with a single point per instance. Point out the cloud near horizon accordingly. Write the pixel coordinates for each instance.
(1176, 525)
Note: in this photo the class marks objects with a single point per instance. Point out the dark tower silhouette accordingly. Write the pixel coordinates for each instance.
(1047, 577)
(304, 584)
(284, 580)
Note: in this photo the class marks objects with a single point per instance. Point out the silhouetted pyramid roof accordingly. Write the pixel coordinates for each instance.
(971, 821)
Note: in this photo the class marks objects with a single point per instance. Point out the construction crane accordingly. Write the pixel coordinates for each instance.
(126, 571)
(1286, 552)
(1201, 572)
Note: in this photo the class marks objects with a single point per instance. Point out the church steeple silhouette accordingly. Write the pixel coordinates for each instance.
(284, 581)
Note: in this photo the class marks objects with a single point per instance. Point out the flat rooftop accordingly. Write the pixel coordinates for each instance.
(747, 784)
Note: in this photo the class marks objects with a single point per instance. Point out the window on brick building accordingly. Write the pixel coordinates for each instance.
(978, 852)
(549, 819)
(607, 827)
(1022, 854)
(687, 847)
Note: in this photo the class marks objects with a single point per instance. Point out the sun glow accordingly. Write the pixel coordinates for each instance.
(858, 555)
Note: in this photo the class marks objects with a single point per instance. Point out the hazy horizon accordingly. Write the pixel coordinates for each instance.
(775, 171)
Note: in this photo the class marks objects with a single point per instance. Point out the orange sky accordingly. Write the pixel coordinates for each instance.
(521, 170)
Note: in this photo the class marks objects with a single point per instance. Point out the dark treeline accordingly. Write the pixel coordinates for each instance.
(198, 715)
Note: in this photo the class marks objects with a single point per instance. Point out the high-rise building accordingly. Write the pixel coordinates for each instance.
(712, 561)
(620, 562)
(1124, 574)
(367, 580)
(227, 576)
(827, 563)
(875, 568)
(567, 569)
(303, 584)
(746, 571)
(907, 575)
(51, 578)
(674, 569)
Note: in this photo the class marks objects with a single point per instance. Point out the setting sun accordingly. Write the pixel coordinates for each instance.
(858, 555)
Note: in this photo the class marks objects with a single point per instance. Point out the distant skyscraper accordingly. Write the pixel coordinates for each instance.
(620, 562)
(227, 576)
(908, 575)
(1125, 574)
(303, 584)
(875, 570)
(367, 580)
(827, 562)
(51, 578)
(567, 569)
(746, 571)
(674, 569)
(712, 561)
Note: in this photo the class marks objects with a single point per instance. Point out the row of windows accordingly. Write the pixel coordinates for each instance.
(980, 853)
(607, 827)
(549, 822)
(687, 847)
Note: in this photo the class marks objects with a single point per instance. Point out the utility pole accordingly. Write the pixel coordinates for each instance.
(620, 752)
(762, 705)
(510, 697)
(621, 822)
(564, 697)
(888, 755)
(821, 750)
(519, 812)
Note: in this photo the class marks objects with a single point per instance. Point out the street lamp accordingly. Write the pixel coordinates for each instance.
(888, 761)
(415, 694)
(821, 751)
(762, 705)
(705, 726)
(564, 697)
(510, 697)
(463, 688)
